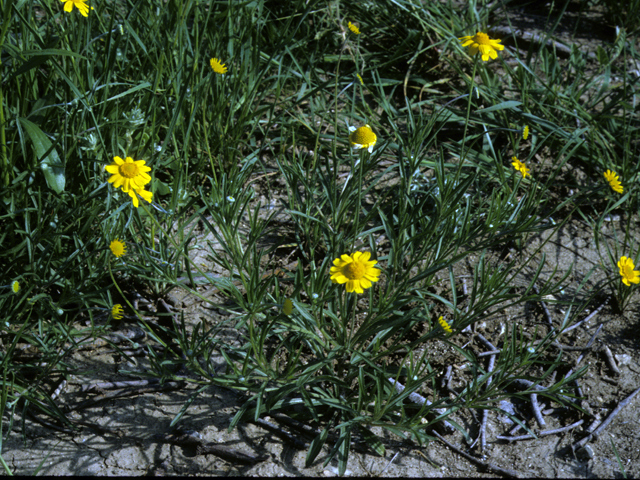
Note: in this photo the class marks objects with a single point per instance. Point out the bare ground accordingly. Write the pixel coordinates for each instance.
(131, 435)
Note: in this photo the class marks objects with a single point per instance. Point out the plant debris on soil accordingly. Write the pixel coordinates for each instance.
(122, 425)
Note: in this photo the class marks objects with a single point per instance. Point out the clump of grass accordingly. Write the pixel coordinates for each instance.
(243, 114)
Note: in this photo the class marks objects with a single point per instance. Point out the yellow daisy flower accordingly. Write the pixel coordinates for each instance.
(356, 270)
(629, 275)
(128, 173)
(443, 323)
(15, 286)
(525, 132)
(353, 28)
(614, 181)
(287, 308)
(79, 4)
(116, 312)
(362, 137)
(218, 66)
(480, 42)
(520, 166)
(118, 248)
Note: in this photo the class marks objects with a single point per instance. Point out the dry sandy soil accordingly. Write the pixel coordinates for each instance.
(129, 435)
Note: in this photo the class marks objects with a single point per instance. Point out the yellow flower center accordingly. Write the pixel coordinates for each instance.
(128, 170)
(354, 270)
(363, 136)
(482, 39)
(627, 270)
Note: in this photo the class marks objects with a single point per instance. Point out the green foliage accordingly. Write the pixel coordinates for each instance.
(260, 158)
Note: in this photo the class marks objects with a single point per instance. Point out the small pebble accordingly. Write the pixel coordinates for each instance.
(623, 359)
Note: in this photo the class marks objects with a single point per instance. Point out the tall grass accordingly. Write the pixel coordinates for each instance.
(261, 157)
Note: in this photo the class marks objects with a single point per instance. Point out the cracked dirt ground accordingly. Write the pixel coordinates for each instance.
(132, 435)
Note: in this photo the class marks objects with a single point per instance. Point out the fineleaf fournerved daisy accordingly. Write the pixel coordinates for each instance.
(614, 181)
(218, 66)
(520, 166)
(128, 173)
(356, 270)
(480, 42)
(445, 326)
(15, 286)
(627, 272)
(117, 247)
(287, 308)
(353, 28)
(79, 4)
(362, 137)
(116, 311)
(525, 132)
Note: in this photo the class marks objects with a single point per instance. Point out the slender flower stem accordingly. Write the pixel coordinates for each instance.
(469, 100)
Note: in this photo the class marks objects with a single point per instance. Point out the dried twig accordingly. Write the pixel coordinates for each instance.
(295, 424)
(536, 410)
(503, 471)
(489, 353)
(167, 386)
(541, 434)
(58, 391)
(420, 400)
(581, 357)
(515, 429)
(50, 425)
(587, 318)
(230, 454)
(446, 378)
(606, 421)
(533, 38)
(610, 360)
(115, 385)
(485, 412)
(194, 439)
(485, 341)
(591, 340)
(279, 432)
(527, 384)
